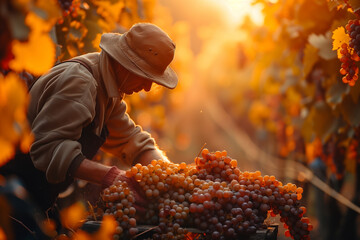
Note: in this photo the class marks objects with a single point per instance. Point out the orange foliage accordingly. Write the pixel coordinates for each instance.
(107, 229)
(2, 234)
(14, 128)
(73, 216)
(37, 55)
(339, 37)
(314, 150)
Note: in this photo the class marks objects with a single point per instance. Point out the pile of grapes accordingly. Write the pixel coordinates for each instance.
(213, 195)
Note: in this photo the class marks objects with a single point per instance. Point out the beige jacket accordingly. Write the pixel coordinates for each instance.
(63, 102)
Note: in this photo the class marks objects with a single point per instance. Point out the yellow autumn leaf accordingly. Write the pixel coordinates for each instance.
(72, 216)
(13, 106)
(339, 37)
(2, 234)
(37, 55)
(310, 58)
(26, 140)
(110, 13)
(38, 24)
(259, 113)
(272, 87)
(107, 229)
(96, 41)
(52, 9)
(16, 97)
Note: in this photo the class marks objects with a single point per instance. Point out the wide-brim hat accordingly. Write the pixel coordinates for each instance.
(145, 50)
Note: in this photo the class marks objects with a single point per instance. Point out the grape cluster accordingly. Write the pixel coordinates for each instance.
(69, 8)
(117, 200)
(350, 53)
(212, 195)
(352, 151)
(65, 4)
(353, 28)
(348, 65)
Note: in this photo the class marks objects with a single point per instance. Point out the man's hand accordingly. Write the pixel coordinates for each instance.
(140, 200)
(114, 175)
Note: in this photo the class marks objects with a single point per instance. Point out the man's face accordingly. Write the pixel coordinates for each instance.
(129, 82)
(135, 83)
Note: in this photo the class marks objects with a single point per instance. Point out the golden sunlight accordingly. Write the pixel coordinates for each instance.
(236, 10)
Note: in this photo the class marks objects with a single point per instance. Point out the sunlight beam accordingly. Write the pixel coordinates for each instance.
(236, 10)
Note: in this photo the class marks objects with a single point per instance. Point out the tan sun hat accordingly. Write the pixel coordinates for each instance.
(145, 50)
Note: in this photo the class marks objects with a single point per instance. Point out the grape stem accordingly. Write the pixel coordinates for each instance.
(201, 149)
(92, 210)
(22, 224)
(144, 232)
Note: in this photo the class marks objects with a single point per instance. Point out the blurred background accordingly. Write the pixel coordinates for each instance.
(261, 79)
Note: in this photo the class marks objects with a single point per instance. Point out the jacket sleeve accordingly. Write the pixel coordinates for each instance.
(126, 140)
(64, 108)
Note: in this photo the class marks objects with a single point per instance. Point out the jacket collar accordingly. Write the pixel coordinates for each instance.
(108, 76)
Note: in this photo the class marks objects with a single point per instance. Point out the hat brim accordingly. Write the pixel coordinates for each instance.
(116, 46)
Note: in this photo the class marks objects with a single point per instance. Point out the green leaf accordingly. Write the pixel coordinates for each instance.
(336, 93)
(324, 122)
(350, 111)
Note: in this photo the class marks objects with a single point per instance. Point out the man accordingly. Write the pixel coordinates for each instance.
(78, 107)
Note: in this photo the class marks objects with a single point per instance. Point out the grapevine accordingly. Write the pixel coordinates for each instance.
(212, 195)
(348, 5)
(350, 53)
(69, 7)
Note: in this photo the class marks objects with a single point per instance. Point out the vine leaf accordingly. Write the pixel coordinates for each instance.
(72, 216)
(14, 127)
(339, 37)
(36, 55)
(26, 59)
(324, 44)
(349, 111)
(322, 120)
(355, 5)
(336, 93)
(310, 58)
(96, 42)
(335, 4)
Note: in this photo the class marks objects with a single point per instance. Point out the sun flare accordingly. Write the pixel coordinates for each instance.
(236, 10)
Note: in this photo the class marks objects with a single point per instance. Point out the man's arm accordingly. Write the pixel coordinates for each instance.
(146, 157)
(106, 175)
(91, 171)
